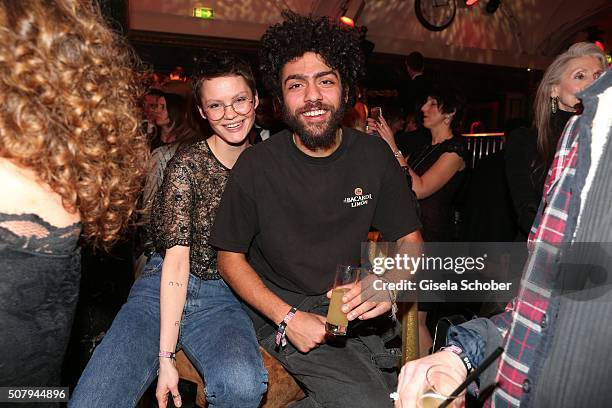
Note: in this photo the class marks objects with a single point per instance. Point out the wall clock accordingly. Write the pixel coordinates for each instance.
(435, 15)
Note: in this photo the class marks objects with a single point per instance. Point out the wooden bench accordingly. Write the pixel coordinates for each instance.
(282, 388)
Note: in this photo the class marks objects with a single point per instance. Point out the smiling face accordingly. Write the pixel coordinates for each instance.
(313, 98)
(222, 93)
(577, 75)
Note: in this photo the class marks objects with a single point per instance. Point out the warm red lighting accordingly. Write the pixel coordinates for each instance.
(600, 45)
(470, 2)
(347, 21)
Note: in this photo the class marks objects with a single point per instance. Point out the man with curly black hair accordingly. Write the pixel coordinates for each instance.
(301, 203)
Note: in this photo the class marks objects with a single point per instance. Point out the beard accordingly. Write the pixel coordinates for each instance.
(317, 135)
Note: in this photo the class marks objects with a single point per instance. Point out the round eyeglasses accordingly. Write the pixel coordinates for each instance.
(241, 105)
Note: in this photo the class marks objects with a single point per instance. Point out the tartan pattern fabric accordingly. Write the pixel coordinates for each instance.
(521, 323)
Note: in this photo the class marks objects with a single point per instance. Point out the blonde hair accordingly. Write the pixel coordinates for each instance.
(542, 103)
(69, 110)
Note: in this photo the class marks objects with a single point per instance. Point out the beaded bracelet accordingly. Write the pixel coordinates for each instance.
(281, 337)
(167, 354)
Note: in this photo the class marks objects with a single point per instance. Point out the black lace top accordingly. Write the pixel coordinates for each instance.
(437, 210)
(40, 272)
(185, 206)
(32, 233)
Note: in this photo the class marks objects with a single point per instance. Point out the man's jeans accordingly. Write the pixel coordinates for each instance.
(216, 334)
(357, 373)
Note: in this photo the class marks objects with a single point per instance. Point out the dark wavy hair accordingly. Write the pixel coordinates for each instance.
(216, 64)
(297, 35)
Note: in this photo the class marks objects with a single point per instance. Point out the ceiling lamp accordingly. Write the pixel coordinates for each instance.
(349, 12)
(347, 21)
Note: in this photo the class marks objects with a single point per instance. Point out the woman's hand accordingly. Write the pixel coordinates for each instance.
(370, 128)
(383, 129)
(167, 383)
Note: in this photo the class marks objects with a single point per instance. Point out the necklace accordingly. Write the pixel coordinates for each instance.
(426, 154)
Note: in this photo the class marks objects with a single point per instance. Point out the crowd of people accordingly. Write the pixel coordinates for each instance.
(238, 229)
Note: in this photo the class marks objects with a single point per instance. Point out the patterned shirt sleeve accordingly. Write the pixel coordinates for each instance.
(173, 207)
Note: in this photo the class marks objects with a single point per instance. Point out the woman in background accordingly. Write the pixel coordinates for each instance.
(436, 169)
(529, 152)
(437, 173)
(178, 133)
(71, 167)
(170, 108)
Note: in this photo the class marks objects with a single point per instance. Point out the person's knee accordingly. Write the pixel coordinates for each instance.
(239, 386)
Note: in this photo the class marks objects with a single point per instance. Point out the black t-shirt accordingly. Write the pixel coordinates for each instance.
(299, 216)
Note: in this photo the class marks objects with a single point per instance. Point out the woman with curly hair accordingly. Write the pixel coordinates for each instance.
(71, 166)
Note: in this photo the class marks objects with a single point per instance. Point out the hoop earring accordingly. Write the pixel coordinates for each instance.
(447, 120)
(554, 104)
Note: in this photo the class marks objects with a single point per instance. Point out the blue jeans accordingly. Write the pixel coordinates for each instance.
(216, 334)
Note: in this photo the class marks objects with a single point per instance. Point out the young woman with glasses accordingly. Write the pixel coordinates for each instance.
(180, 301)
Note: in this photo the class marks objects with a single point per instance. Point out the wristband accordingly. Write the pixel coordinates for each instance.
(464, 358)
(167, 354)
(398, 154)
(281, 337)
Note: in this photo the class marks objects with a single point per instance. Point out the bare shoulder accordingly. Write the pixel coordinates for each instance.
(23, 193)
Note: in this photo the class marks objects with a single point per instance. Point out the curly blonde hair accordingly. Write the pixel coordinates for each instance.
(69, 110)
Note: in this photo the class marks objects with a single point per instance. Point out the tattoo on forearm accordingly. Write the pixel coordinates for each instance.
(177, 284)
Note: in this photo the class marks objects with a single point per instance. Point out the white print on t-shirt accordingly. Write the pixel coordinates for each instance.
(358, 199)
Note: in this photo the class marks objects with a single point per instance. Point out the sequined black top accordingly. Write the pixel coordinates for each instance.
(185, 206)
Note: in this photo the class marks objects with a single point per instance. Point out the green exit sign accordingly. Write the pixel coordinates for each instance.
(204, 12)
